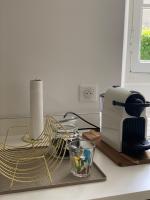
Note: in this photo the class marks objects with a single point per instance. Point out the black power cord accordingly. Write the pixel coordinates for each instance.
(96, 128)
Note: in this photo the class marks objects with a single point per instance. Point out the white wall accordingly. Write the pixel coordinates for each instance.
(63, 42)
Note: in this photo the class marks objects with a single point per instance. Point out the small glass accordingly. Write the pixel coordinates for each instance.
(81, 157)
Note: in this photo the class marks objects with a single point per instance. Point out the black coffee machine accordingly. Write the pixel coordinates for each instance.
(124, 121)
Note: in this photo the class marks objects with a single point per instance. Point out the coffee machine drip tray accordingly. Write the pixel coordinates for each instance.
(134, 141)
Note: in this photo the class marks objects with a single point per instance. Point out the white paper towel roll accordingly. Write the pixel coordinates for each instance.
(36, 108)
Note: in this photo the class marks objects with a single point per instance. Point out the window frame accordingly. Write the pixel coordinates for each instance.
(137, 65)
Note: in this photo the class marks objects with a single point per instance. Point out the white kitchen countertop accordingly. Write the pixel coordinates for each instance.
(120, 180)
(132, 183)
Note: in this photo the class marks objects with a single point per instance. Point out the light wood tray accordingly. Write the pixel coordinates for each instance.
(62, 177)
(120, 159)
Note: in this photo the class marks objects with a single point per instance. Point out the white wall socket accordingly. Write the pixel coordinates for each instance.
(88, 93)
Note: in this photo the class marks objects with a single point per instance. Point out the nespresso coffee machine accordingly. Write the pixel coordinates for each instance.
(124, 121)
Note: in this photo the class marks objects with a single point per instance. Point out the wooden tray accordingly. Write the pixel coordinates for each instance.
(120, 159)
(62, 177)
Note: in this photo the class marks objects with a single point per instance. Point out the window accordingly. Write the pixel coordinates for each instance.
(140, 36)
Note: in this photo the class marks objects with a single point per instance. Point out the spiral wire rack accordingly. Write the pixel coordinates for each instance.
(24, 163)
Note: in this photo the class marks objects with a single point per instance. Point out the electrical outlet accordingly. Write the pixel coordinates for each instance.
(88, 93)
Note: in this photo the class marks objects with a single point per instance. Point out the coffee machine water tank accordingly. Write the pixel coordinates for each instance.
(124, 121)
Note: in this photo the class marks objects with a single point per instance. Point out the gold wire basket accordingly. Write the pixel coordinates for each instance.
(25, 163)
